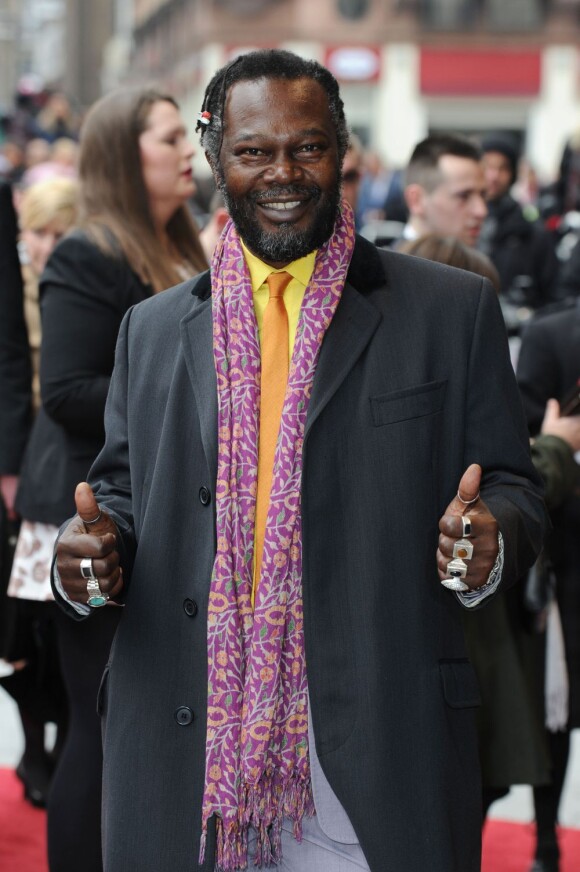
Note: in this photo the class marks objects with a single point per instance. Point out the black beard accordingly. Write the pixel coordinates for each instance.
(286, 243)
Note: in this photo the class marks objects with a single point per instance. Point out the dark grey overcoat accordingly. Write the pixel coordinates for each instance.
(413, 384)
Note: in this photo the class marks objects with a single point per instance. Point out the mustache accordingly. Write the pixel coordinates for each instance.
(281, 191)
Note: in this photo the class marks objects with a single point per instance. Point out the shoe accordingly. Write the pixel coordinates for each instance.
(545, 866)
(549, 863)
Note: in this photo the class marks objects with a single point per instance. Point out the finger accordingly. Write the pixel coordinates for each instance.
(107, 572)
(469, 485)
(88, 510)
(551, 414)
(76, 542)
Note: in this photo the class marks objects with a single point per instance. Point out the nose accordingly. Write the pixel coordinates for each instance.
(479, 207)
(283, 169)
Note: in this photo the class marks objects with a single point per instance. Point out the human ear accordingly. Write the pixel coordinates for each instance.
(415, 199)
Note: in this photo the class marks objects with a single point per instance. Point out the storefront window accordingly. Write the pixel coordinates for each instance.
(449, 14)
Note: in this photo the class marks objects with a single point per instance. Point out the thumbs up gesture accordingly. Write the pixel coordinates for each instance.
(90, 537)
(468, 533)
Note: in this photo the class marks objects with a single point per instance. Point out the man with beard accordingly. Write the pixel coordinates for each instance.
(301, 449)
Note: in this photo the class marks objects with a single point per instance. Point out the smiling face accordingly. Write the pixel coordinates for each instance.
(279, 168)
(166, 160)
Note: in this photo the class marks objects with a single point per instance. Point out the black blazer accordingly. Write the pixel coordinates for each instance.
(15, 368)
(413, 384)
(83, 297)
(549, 366)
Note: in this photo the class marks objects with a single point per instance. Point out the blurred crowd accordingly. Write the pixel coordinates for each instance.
(97, 213)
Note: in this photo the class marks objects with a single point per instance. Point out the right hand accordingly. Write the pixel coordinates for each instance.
(567, 427)
(97, 541)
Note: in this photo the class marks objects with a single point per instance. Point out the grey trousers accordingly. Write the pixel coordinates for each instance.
(315, 853)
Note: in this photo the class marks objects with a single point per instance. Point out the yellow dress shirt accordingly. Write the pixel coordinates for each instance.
(301, 271)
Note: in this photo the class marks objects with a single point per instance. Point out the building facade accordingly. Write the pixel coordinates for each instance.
(406, 67)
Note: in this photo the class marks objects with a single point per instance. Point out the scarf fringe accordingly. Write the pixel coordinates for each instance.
(263, 807)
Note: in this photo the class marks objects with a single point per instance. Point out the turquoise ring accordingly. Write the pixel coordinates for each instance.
(96, 596)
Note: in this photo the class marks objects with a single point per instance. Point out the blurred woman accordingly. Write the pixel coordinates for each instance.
(134, 238)
(47, 211)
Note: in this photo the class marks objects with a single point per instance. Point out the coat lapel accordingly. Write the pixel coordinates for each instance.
(352, 327)
(196, 338)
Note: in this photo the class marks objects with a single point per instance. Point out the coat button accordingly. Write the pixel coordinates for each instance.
(184, 715)
(190, 607)
(204, 496)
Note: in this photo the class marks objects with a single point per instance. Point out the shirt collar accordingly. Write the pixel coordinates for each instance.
(300, 269)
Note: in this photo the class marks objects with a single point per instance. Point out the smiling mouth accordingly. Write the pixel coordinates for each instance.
(282, 205)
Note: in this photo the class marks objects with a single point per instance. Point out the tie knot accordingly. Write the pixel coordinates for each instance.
(277, 283)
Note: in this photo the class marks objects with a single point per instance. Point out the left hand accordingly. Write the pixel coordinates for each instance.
(484, 531)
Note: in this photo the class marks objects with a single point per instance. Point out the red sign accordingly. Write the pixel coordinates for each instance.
(480, 72)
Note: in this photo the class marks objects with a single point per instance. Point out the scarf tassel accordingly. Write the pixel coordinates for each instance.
(265, 816)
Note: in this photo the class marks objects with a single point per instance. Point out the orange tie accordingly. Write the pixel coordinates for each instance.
(272, 390)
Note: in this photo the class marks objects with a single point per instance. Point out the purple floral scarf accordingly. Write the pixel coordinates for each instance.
(257, 766)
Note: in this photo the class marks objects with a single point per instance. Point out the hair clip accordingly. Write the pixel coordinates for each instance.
(204, 117)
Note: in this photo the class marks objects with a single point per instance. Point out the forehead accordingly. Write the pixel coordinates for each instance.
(460, 172)
(261, 106)
(496, 159)
(162, 113)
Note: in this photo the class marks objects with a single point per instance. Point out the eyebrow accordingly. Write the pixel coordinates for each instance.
(309, 131)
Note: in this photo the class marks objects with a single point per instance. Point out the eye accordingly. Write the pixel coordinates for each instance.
(252, 151)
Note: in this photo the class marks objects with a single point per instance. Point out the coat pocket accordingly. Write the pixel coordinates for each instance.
(460, 687)
(415, 402)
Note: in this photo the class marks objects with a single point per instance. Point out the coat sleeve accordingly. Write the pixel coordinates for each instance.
(538, 372)
(554, 460)
(497, 439)
(110, 475)
(15, 367)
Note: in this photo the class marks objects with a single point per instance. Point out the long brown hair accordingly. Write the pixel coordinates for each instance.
(453, 252)
(114, 206)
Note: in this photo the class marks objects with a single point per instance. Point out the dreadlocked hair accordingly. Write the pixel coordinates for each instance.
(265, 64)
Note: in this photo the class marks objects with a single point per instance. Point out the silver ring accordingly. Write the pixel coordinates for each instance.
(94, 521)
(455, 584)
(467, 529)
(468, 502)
(87, 569)
(96, 596)
(463, 549)
(457, 568)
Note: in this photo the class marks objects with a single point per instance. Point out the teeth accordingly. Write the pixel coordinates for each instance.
(282, 206)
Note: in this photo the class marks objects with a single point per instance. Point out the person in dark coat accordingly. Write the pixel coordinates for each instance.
(15, 365)
(387, 434)
(549, 367)
(520, 248)
(569, 280)
(134, 237)
(46, 212)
